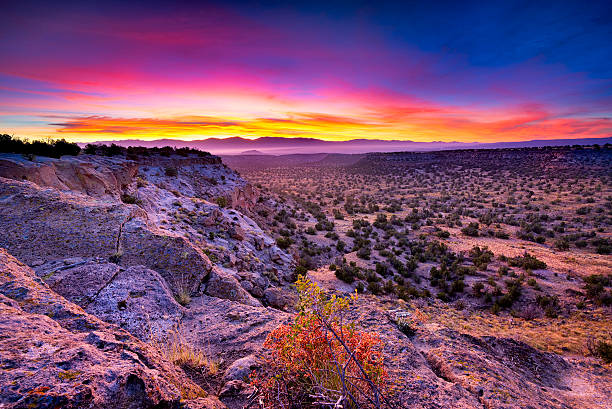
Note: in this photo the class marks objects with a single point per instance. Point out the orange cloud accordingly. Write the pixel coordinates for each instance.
(417, 125)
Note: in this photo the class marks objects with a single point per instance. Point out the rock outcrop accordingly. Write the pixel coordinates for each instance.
(57, 355)
(159, 212)
(103, 177)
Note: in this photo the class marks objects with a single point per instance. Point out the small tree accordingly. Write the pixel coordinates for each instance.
(320, 360)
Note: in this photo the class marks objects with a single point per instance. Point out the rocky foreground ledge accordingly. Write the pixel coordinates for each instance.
(54, 354)
(104, 261)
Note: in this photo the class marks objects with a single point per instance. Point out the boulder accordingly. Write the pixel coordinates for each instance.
(241, 368)
(223, 285)
(280, 298)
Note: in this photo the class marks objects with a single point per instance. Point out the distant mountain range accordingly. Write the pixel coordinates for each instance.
(285, 146)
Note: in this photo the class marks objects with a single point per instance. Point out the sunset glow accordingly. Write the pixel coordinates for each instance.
(89, 73)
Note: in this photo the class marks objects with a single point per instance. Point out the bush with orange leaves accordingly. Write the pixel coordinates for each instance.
(321, 361)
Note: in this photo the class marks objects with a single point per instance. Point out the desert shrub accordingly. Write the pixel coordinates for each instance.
(583, 210)
(221, 201)
(382, 269)
(527, 262)
(481, 257)
(346, 273)
(602, 245)
(600, 349)
(443, 234)
(321, 359)
(528, 312)
(407, 322)
(182, 296)
(364, 253)
(470, 230)
(457, 287)
(283, 242)
(182, 353)
(562, 244)
(375, 288)
(406, 327)
(477, 288)
(500, 234)
(513, 294)
(595, 288)
(533, 283)
(129, 199)
(550, 305)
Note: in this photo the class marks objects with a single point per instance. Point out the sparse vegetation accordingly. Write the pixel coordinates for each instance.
(184, 354)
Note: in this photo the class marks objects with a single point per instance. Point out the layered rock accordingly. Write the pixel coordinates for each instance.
(102, 177)
(139, 300)
(159, 212)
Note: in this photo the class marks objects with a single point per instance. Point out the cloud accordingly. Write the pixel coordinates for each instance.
(530, 125)
(227, 70)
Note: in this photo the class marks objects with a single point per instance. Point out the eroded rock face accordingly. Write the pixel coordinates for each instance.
(138, 300)
(54, 354)
(161, 213)
(135, 298)
(48, 224)
(102, 177)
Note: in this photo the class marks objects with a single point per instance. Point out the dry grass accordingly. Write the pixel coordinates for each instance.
(182, 297)
(183, 293)
(182, 353)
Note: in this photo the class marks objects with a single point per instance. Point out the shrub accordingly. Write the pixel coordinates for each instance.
(477, 289)
(345, 273)
(595, 288)
(443, 234)
(601, 349)
(177, 350)
(321, 359)
(182, 296)
(471, 229)
(527, 262)
(283, 242)
(129, 199)
(562, 244)
(374, 287)
(501, 235)
(481, 257)
(221, 201)
(364, 253)
(550, 305)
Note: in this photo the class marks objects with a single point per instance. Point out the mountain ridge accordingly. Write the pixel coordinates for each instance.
(281, 146)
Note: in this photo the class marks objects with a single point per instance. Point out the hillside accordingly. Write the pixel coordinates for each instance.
(110, 264)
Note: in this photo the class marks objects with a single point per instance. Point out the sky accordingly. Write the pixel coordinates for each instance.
(465, 71)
